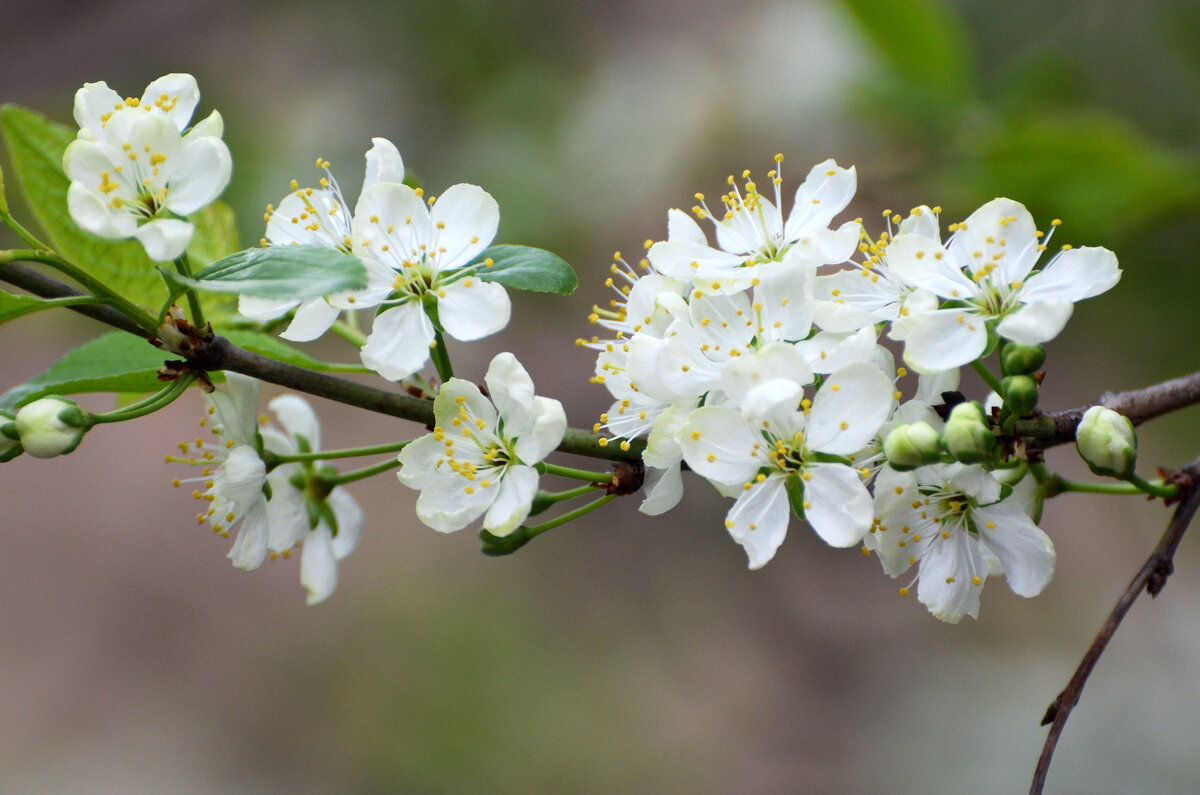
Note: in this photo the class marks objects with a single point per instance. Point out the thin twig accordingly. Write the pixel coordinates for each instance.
(1152, 577)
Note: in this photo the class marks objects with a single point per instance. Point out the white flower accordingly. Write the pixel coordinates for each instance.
(853, 299)
(135, 174)
(414, 255)
(774, 446)
(234, 490)
(752, 233)
(950, 521)
(292, 509)
(480, 458)
(985, 268)
(320, 217)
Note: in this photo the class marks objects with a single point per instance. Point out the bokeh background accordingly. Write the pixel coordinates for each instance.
(622, 653)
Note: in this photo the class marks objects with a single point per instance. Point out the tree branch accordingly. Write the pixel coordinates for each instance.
(1152, 577)
(221, 354)
(1139, 405)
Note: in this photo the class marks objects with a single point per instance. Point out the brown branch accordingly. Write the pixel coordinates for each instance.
(1152, 577)
(46, 287)
(221, 354)
(1139, 405)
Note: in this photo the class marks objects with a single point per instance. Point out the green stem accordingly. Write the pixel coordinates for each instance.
(97, 288)
(185, 270)
(570, 515)
(441, 358)
(986, 374)
(1082, 487)
(148, 405)
(22, 232)
(1157, 489)
(361, 474)
(576, 474)
(349, 334)
(50, 303)
(350, 452)
(547, 498)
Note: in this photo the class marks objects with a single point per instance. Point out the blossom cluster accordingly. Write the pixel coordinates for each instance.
(756, 360)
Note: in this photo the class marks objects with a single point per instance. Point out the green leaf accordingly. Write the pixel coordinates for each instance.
(114, 362)
(36, 145)
(924, 42)
(14, 306)
(280, 272)
(274, 348)
(526, 268)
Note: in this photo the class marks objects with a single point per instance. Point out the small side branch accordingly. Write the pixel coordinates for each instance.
(1152, 577)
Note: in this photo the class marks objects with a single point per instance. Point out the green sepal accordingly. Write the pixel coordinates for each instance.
(313, 509)
(496, 546)
(541, 501)
(290, 272)
(1006, 491)
(828, 458)
(11, 453)
(993, 340)
(795, 492)
(430, 305)
(526, 268)
(113, 362)
(325, 511)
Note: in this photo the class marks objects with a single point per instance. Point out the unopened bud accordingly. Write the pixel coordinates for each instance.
(1018, 359)
(51, 426)
(913, 445)
(968, 436)
(1107, 442)
(1020, 394)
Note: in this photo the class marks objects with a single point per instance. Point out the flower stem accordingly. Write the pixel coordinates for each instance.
(576, 474)
(441, 358)
(148, 405)
(506, 545)
(986, 374)
(1154, 488)
(185, 270)
(362, 474)
(548, 498)
(349, 334)
(350, 452)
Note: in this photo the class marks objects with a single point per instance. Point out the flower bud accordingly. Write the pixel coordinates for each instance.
(968, 436)
(1020, 394)
(913, 445)
(1106, 441)
(1018, 359)
(51, 426)
(10, 440)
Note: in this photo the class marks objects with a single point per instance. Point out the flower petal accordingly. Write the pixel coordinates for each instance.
(384, 163)
(944, 339)
(165, 238)
(466, 218)
(511, 508)
(1037, 322)
(350, 522)
(759, 520)
(1074, 275)
(471, 309)
(837, 504)
(202, 172)
(318, 565)
(313, 318)
(398, 344)
(1026, 553)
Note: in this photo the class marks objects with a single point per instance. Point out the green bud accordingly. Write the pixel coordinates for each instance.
(51, 426)
(1106, 441)
(969, 438)
(1020, 394)
(1018, 359)
(914, 445)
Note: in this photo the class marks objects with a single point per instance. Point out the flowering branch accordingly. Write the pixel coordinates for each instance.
(1153, 577)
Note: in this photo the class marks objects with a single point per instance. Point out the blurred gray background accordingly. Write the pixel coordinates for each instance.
(620, 653)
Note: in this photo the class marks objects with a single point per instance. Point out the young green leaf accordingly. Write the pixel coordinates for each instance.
(280, 272)
(114, 362)
(526, 268)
